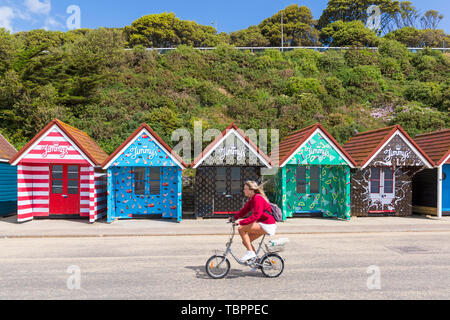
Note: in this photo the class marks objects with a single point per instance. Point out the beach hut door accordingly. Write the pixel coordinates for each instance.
(228, 195)
(382, 190)
(65, 189)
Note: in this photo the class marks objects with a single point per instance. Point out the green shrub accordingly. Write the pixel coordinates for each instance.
(332, 61)
(429, 93)
(368, 78)
(416, 119)
(334, 87)
(391, 68)
(305, 60)
(299, 85)
(357, 57)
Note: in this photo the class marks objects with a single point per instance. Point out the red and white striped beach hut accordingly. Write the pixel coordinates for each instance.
(59, 175)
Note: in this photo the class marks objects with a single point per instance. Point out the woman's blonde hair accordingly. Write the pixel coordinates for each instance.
(258, 189)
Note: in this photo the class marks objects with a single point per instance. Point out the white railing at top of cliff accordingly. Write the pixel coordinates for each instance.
(293, 48)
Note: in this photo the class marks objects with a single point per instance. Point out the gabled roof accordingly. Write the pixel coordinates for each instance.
(177, 159)
(232, 127)
(289, 146)
(85, 143)
(7, 150)
(436, 145)
(364, 146)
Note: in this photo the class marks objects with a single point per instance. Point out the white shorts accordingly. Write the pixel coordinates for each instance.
(270, 229)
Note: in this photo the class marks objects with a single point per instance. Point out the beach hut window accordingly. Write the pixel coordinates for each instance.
(57, 179)
(236, 184)
(155, 181)
(375, 176)
(388, 180)
(314, 183)
(221, 176)
(139, 181)
(72, 179)
(301, 179)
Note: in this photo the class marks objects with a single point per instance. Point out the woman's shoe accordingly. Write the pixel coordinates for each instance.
(250, 255)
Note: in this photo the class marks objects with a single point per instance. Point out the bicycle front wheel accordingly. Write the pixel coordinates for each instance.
(272, 265)
(218, 267)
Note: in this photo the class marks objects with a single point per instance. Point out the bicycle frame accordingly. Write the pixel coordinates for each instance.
(247, 263)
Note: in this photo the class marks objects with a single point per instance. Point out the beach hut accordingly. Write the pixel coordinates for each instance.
(144, 178)
(431, 187)
(387, 160)
(59, 175)
(314, 175)
(8, 179)
(222, 170)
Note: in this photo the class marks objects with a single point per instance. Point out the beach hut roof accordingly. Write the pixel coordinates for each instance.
(436, 145)
(293, 142)
(7, 150)
(231, 129)
(175, 157)
(363, 147)
(81, 139)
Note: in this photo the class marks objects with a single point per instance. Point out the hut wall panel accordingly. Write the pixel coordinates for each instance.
(85, 190)
(331, 201)
(32, 191)
(402, 203)
(126, 204)
(8, 189)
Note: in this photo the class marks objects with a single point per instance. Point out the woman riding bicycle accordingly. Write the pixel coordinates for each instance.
(261, 222)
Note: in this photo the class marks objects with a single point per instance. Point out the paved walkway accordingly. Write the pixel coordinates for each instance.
(9, 228)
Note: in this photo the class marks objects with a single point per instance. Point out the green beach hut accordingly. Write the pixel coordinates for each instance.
(314, 175)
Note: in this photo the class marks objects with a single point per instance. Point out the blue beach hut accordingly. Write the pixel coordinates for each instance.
(144, 178)
(8, 179)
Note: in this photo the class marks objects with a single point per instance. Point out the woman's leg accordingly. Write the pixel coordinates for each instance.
(250, 233)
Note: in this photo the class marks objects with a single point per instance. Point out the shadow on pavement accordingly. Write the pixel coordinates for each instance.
(200, 273)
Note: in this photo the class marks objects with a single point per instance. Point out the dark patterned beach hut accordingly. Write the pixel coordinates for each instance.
(387, 159)
(222, 170)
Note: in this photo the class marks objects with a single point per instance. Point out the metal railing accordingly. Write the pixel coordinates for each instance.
(283, 49)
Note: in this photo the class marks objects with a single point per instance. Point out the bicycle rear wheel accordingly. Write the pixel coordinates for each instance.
(217, 267)
(272, 265)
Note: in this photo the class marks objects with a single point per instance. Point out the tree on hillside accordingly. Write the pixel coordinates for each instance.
(412, 37)
(165, 30)
(250, 37)
(431, 19)
(407, 16)
(51, 38)
(7, 47)
(348, 34)
(298, 24)
(351, 10)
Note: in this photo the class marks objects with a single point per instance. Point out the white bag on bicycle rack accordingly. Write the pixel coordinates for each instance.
(279, 242)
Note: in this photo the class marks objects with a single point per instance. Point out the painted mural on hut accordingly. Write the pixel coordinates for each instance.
(144, 151)
(164, 198)
(127, 204)
(232, 152)
(333, 199)
(395, 164)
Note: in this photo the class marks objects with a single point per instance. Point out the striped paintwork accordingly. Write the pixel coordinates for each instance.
(33, 177)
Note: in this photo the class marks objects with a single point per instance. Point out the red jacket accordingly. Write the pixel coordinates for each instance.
(258, 205)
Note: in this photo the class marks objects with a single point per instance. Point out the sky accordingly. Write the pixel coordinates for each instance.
(226, 16)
